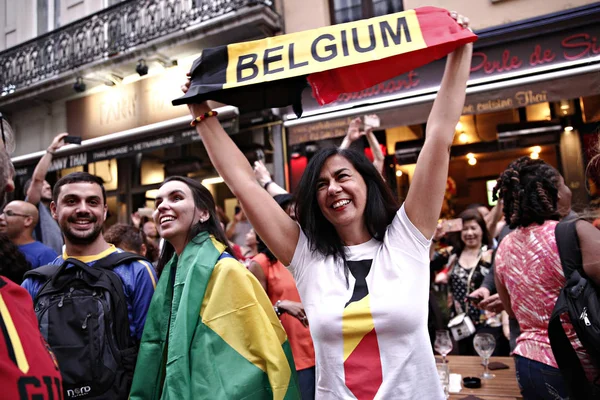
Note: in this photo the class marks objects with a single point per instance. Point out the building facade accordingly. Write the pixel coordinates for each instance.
(534, 90)
(107, 71)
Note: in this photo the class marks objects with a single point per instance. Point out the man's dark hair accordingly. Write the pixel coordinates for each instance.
(13, 263)
(381, 205)
(473, 214)
(78, 177)
(125, 235)
(529, 189)
(203, 200)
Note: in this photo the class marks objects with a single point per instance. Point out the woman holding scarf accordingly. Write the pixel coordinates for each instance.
(211, 331)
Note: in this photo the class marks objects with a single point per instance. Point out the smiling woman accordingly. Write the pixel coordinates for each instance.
(360, 262)
(217, 345)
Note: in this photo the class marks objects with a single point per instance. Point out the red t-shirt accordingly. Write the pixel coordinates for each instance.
(28, 368)
(281, 286)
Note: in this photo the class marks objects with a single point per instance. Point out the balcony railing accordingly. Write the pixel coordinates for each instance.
(105, 34)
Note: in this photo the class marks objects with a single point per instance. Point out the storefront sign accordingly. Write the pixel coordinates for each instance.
(127, 106)
(493, 62)
(120, 151)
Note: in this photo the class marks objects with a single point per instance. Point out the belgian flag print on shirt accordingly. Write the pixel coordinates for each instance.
(361, 350)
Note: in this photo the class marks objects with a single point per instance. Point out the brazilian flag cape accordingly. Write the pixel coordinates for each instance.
(211, 333)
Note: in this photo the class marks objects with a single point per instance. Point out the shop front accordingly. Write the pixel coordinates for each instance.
(534, 90)
(133, 138)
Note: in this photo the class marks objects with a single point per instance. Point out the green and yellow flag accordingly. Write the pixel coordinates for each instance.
(224, 339)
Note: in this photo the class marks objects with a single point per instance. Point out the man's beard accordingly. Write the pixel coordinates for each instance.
(88, 238)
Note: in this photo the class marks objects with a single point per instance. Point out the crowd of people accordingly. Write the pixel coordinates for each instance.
(324, 293)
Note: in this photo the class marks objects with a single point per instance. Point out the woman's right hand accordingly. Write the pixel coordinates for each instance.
(295, 309)
(196, 109)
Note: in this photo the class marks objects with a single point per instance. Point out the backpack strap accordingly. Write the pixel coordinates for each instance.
(117, 258)
(568, 362)
(567, 242)
(43, 273)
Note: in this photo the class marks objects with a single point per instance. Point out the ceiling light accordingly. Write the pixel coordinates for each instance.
(212, 181)
(534, 155)
(463, 137)
(470, 155)
(564, 104)
(536, 149)
(79, 85)
(399, 173)
(568, 128)
(141, 67)
(459, 126)
(472, 161)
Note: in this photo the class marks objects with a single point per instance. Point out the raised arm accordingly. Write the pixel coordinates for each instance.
(264, 179)
(424, 200)
(378, 158)
(270, 221)
(34, 193)
(353, 133)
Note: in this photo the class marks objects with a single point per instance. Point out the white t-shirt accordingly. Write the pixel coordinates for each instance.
(370, 335)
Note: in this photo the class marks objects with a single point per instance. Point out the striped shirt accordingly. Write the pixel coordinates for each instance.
(528, 265)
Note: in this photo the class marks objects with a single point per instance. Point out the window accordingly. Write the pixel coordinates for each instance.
(352, 10)
(48, 15)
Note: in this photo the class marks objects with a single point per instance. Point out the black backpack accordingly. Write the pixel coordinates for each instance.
(580, 299)
(82, 314)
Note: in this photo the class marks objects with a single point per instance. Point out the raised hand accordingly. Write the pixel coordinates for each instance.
(58, 142)
(262, 173)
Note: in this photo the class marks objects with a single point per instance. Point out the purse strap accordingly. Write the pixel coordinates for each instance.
(469, 279)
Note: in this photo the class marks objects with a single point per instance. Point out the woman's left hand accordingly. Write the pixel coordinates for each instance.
(295, 309)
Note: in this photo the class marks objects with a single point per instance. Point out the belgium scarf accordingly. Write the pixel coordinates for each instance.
(336, 59)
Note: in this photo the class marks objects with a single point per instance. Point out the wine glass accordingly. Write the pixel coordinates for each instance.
(443, 343)
(485, 344)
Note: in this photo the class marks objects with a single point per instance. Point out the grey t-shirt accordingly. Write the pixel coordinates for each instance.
(51, 234)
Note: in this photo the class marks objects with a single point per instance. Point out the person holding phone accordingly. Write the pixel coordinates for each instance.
(354, 133)
(38, 192)
(467, 264)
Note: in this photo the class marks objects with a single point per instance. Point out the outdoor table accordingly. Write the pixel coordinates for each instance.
(504, 386)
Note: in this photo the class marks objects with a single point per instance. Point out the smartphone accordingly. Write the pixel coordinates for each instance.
(452, 225)
(72, 139)
(372, 121)
(474, 300)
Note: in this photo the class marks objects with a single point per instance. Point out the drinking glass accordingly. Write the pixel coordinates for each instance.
(444, 374)
(443, 343)
(485, 344)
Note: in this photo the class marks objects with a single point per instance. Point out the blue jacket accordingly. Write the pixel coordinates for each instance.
(139, 282)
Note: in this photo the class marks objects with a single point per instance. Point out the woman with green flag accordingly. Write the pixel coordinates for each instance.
(211, 331)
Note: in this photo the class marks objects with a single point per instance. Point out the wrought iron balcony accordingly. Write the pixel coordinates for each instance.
(106, 34)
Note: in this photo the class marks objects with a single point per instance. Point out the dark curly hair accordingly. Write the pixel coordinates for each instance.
(13, 263)
(529, 189)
